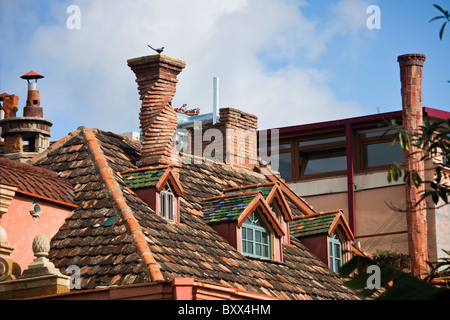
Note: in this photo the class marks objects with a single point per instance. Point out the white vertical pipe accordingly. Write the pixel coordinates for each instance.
(215, 100)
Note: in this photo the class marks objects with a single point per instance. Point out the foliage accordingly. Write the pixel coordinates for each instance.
(382, 254)
(431, 141)
(440, 268)
(394, 284)
(445, 15)
(183, 110)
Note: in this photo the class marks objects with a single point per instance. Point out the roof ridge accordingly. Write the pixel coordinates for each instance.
(148, 168)
(255, 185)
(127, 213)
(229, 195)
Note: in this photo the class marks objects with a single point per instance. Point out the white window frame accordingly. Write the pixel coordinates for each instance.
(336, 254)
(167, 203)
(250, 233)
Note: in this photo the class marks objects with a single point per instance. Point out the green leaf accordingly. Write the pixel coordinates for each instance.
(439, 8)
(441, 33)
(435, 18)
(417, 179)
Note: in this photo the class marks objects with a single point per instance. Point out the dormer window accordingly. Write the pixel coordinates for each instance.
(167, 203)
(273, 196)
(327, 235)
(336, 257)
(256, 237)
(246, 221)
(158, 187)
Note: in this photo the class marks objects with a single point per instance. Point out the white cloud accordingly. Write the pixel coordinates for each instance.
(89, 83)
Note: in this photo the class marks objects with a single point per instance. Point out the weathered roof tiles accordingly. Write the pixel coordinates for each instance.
(106, 235)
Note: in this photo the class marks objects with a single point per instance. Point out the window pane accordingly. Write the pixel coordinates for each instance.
(250, 234)
(258, 249)
(284, 166)
(378, 133)
(170, 206)
(162, 204)
(325, 162)
(381, 154)
(258, 236)
(337, 251)
(320, 141)
(266, 252)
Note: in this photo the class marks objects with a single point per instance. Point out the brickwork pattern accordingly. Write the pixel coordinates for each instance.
(411, 90)
(156, 77)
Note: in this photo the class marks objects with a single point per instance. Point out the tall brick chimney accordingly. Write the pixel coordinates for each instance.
(412, 118)
(156, 77)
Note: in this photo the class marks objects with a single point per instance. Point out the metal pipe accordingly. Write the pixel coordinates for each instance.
(215, 100)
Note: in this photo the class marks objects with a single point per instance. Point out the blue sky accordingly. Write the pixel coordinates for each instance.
(287, 61)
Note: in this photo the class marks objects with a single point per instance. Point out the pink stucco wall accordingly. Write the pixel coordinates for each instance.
(21, 228)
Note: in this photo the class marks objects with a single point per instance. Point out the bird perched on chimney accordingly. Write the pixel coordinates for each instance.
(157, 50)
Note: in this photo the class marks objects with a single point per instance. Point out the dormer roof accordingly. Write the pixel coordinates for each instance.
(238, 206)
(320, 223)
(152, 177)
(269, 191)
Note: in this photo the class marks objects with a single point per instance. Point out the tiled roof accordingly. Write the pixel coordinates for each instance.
(36, 181)
(116, 239)
(226, 208)
(143, 178)
(265, 189)
(315, 224)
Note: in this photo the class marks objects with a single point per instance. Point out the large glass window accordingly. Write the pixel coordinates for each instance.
(322, 155)
(167, 203)
(336, 257)
(381, 154)
(325, 161)
(376, 149)
(256, 237)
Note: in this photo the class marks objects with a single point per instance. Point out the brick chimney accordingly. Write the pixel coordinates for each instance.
(156, 77)
(411, 66)
(240, 136)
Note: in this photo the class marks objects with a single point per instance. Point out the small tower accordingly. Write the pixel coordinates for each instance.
(31, 128)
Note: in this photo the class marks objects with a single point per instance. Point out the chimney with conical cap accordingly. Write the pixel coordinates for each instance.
(31, 128)
(33, 105)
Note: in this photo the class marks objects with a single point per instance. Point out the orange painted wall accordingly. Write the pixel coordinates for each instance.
(21, 228)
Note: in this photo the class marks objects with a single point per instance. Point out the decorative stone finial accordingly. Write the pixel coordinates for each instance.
(41, 246)
(41, 265)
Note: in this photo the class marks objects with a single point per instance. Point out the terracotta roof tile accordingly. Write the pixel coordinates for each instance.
(108, 251)
(36, 181)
